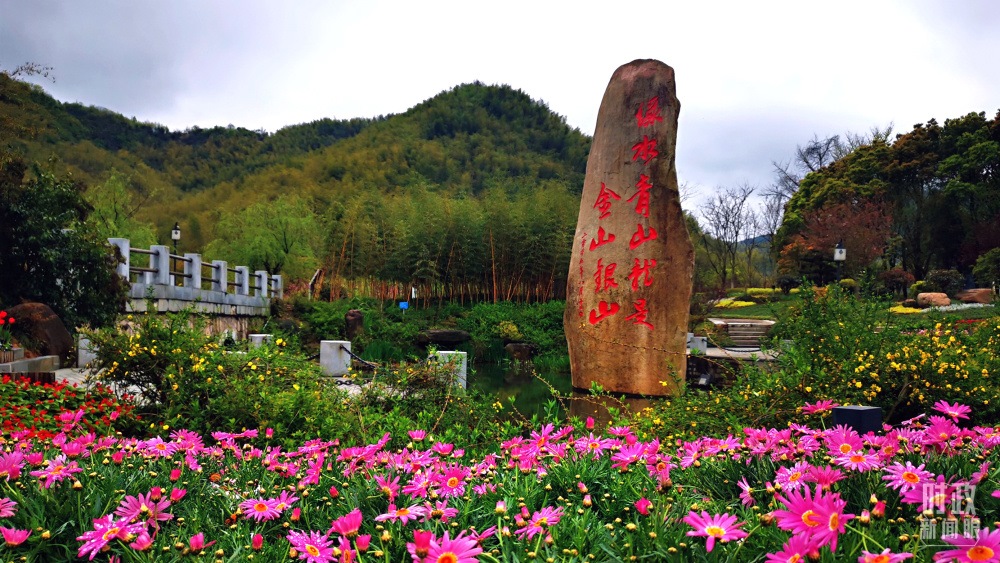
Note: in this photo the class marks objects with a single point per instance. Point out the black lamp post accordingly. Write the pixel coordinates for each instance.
(175, 235)
(839, 256)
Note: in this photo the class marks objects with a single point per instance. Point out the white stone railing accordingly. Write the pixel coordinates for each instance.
(212, 288)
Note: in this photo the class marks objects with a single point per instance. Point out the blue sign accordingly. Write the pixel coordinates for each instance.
(404, 305)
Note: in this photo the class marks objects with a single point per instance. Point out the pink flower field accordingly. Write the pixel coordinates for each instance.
(922, 491)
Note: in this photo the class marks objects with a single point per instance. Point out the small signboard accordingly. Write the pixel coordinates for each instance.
(404, 305)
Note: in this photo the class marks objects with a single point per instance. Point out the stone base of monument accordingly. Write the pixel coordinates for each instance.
(861, 419)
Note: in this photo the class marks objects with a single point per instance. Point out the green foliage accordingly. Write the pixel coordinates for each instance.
(987, 269)
(279, 236)
(179, 372)
(113, 211)
(944, 281)
(938, 182)
(853, 352)
(788, 283)
(50, 254)
(473, 192)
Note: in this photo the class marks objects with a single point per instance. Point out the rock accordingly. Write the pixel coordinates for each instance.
(40, 330)
(630, 277)
(354, 322)
(443, 336)
(980, 295)
(911, 303)
(521, 351)
(933, 300)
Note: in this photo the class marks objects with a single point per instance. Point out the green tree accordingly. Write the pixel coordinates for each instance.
(987, 269)
(51, 254)
(114, 211)
(278, 236)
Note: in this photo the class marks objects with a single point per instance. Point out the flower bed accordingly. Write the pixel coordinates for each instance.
(563, 494)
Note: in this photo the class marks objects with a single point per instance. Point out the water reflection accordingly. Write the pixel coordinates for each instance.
(531, 391)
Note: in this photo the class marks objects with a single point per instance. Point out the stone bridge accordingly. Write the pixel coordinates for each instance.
(230, 296)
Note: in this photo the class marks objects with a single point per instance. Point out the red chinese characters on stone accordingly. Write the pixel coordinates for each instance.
(603, 203)
(640, 314)
(603, 238)
(604, 277)
(639, 238)
(603, 311)
(642, 196)
(642, 273)
(644, 149)
(651, 114)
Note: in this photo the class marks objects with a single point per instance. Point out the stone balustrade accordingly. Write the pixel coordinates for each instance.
(174, 282)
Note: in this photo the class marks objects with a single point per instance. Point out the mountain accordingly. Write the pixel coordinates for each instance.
(484, 163)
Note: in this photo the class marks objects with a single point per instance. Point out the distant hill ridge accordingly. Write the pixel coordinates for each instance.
(461, 142)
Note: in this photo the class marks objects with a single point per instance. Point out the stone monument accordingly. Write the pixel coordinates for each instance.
(629, 287)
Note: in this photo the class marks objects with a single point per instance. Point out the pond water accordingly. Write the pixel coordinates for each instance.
(530, 390)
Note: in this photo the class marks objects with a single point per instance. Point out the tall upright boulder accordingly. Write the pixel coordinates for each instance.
(629, 287)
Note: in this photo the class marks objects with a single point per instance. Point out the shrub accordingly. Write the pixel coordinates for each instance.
(918, 288)
(896, 280)
(787, 283)
(987, 268)
(850, 286)
(178, 371)
(944, 281)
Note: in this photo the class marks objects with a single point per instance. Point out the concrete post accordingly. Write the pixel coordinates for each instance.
(125, 249)
(192, 270)
(460, 360)
(220, 279)
(85, 352)
(334, 360)
(242, 280)
(262, 283)
(160, 261)
(277, 287)
(258, 340)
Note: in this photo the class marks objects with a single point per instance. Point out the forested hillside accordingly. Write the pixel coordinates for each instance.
(473, 191)
(927, 200)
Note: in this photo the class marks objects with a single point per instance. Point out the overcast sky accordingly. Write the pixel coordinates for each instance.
(755, 79)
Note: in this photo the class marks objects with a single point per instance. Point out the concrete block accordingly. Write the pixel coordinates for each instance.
(460, 360)
(258, 340)
(334, 357)
(85, 353)
(862, 419)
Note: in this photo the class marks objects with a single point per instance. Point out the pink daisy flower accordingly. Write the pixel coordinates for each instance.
(7, 507)
(402, 515)
(13, 537)
(459, 549)
(824, 476)
(143, 507)
(260, 509)
(420, 546)
(905, 478)
(389, 488)
(722, 527)
(791, 478)
(799, 548)
(858, 460)
(886, 556)
(313, 547)
(58, 469)
(955, 411)
(821, 516)
(348, 524)
(984, 547)
(105, 530)
(819, 407)
(540, 522)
